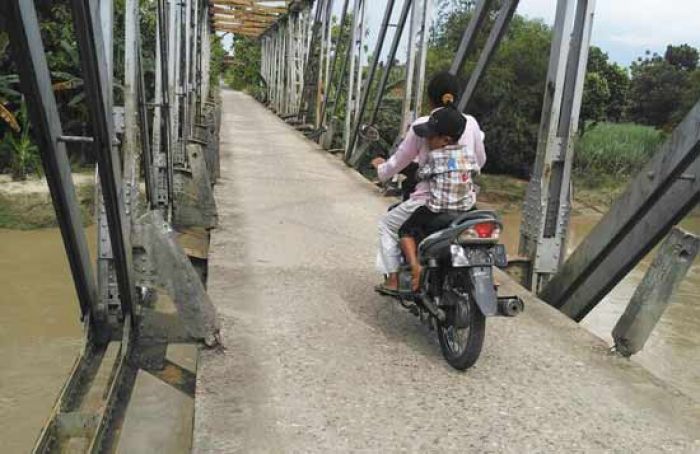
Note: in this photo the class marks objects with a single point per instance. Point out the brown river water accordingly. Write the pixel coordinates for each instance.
(40, 331)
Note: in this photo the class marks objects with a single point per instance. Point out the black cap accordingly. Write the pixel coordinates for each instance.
(446, 121)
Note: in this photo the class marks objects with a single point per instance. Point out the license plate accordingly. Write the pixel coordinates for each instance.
(478, 256)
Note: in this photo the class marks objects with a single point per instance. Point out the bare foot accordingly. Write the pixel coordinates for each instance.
(415, 278)
(392, 281)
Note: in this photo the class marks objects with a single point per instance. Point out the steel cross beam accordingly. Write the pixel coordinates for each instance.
(390, 60)
(93, 64)
(35, 80)
(466, 45)
(505, 14)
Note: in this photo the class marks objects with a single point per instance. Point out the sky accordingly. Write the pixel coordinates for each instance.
(626, 28)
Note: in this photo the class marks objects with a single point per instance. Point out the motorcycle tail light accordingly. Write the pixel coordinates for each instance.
(488, 231)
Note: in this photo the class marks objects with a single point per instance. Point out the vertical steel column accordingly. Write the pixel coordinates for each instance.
(35, 79)
(370, 78)
(162, 132)
(91, 47)
(407, 114)
(174, 55)
(324, 63)
(331, 75)
(187, 74)
(355, 42)
(423, 55)
(206, 57)
(130, 148)
(547, 204)
(359, 76)
(291, 48)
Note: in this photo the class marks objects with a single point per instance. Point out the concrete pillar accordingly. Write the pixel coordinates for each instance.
(651, 298)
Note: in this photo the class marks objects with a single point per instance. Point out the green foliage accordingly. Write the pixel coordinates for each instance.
(508, 102)
(656, 92)
(614, 150)
(606, 89)
(216, 62)
(596, 98)
(664, 88)
(244, 73)
(23, 154)
(683, 57)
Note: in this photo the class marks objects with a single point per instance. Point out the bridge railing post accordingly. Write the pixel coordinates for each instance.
(654, 293)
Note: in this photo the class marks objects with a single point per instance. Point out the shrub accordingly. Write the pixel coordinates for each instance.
(615, 150)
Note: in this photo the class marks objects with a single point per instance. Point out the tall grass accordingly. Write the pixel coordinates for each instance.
(611, 151)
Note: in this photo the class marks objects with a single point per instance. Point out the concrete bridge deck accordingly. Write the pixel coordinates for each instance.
(317, 362)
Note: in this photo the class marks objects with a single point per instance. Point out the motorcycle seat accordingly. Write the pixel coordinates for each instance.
(474, 216)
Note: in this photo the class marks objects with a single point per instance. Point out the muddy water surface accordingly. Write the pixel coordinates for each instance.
(40, 331)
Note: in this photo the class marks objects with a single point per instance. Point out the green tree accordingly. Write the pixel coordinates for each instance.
(508, 101)
(683, 57)
(21, 150)
(656, 91)
(604, 76)
(244, 72)
(596, 99)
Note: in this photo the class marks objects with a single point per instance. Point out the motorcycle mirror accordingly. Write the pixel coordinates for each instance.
(369, 133)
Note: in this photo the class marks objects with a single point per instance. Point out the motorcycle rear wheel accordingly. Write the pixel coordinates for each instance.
(461, 347)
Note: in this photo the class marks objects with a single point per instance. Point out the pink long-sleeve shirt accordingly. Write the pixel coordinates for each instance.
(414, 148)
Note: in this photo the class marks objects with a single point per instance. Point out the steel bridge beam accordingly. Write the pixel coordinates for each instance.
(398, 32)
(350, 152)
(331, 75)
(94, 66)
(505, 14)
(548, 200)
(481, 10)
(666, 190)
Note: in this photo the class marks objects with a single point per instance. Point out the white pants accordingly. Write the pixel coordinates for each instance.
(389, 253)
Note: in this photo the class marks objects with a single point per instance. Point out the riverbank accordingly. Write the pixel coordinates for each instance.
(507, 193)
(26, 205)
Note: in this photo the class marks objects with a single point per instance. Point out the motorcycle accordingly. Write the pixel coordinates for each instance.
(457, 291)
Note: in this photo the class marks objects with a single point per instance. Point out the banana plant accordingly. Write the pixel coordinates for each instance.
(23, 153)
(9, 95)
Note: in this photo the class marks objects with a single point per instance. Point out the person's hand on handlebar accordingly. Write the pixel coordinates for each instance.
(376, 162)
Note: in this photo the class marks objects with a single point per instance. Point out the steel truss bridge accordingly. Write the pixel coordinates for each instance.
(158, 158)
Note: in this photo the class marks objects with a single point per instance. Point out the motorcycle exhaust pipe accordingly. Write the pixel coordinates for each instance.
(510, 306)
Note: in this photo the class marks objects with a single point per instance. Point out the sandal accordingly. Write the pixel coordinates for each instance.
(383, 290)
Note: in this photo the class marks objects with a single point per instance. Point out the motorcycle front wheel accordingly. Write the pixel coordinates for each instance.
(462, 335)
